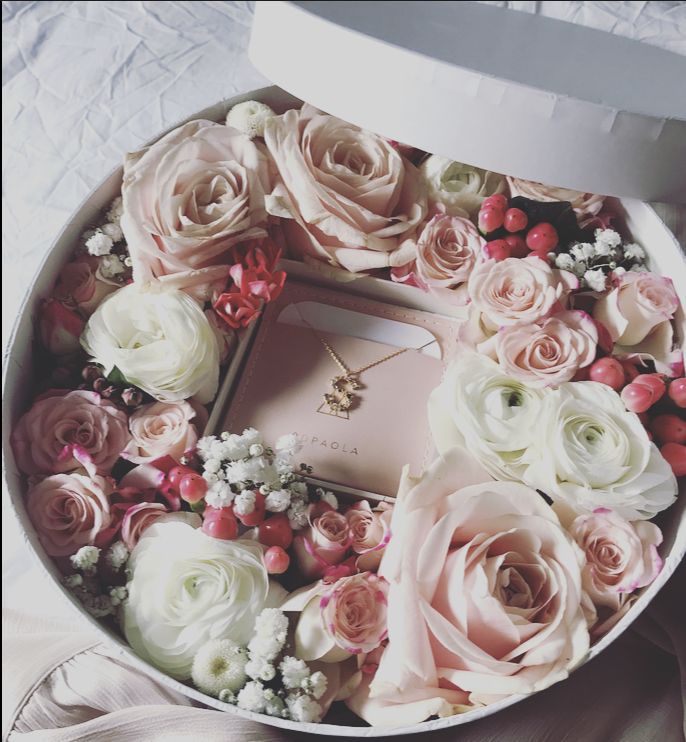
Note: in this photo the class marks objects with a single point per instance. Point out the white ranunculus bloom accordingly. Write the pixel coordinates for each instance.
(589, 452)
(188, 588)
(460, 188)
(480, 408)
(159, 339)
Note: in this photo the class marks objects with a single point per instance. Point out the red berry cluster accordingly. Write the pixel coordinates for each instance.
(641, 393)
(509, 234)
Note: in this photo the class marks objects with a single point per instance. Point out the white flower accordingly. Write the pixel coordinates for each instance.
(632, 251)
(288, 445)
(257, 449)
(293, 672)
(595, 279)
(275, 706)
(618, 271)
(110, 266)
(99, 243)
(113, 231)
(249, 117)
(607, 237)
(278, 501)
(602, 249)
(212, 465)
(117, 555)
(115, 211)
(234, 448)
(316, 684)
(210, 478)
(637, 268)
(329, 498)
(303, 708)
(219, 495)
(260, 668)
(251, 697)
(271, 628)
(118, 595)
(227, 696)
(588, 452)
(187, 588)
(73, 581)
(251, 437)
(297, 515)
(299, 489)
(564, 261)
(244, 502)
(587, 251)
(159, 339)
(490, 414)
(577, 251)
(86, 558)
(204, 446)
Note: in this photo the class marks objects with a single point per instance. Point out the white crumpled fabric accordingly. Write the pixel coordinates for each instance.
(84, 82)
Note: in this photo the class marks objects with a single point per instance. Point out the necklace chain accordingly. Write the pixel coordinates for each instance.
(356, 372)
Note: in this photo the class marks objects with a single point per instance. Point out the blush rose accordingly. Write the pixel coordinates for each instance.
(161, 429)
(323, 544)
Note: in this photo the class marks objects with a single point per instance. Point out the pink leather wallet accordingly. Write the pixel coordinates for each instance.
(289, 369)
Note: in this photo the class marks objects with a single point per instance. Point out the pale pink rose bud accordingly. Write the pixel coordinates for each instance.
(79, 285)
(323, 544)
(137, 518)
(370, 531)
(161, 429)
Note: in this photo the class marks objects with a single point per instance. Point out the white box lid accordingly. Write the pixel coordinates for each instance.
(512, 92)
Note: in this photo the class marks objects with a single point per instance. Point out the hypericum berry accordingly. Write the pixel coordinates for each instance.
(637, 397)
(220, 523)
(608, 371)
(497, 250)
(275, 531)
(515, 220)
(654, 382)
(192, 488)
(669, 429)
(255, 517)
(677, 392)
(276, 560)
(517, 245)
(496, 201)
(675, 455)
(177, 474)
(542, 238)
(490, 219)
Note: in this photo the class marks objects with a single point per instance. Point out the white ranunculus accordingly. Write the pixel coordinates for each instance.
(188, 588)
(460, 188)
(480, 408)
(159, 339)
(589, 452)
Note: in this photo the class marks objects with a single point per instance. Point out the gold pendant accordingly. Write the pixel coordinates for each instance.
(340, 400)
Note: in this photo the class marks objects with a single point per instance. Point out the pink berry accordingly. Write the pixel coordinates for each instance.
(257, 515)
(518, 248)
(669, 429)
(490, 219)
(497, 201)
(276, 560)
(607, 371)
(677, 392)
(675, 455)
(220, 523)
(654, 382)
(542, 238)
(177, 474)
(276, 531)
(497, 249)
(637, 398)
(515, 220)
(192, 488)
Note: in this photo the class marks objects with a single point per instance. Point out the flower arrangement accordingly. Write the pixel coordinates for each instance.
(558, 428)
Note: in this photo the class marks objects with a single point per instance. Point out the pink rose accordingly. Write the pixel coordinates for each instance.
(348, 197)
(485, 596)
(637, 313)
(137, 518)
(370, 531)
(517, 291)
(188, 199)
(161, 429)
(60, 328)
(620, 556)
(78, 285)
(448, 248)
(548, 352)
(585, 205)
(323, 544)
(340, 619)
(64, 432)
(68, 511)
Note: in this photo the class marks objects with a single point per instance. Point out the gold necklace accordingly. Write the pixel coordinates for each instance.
(341, 399)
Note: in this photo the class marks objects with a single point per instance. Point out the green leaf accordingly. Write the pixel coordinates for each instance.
(116, 376)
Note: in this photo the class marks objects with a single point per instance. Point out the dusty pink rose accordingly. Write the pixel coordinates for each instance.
(323, 544)
(137, 518)
(620, 556)
(59, 432)
(188, 199)
(448, 248)
(637, 313)
(68, 511)
(60, 328)
(549, 351)
(585, 205)
(370, 531)
(78, 285)
(348, 197)
(516, 291)
(485, 596)
(161, 429)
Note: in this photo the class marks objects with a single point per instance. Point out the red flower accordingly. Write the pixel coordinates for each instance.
(237, 309)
